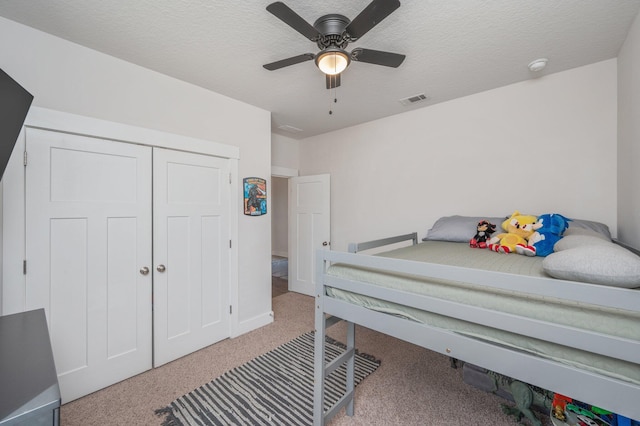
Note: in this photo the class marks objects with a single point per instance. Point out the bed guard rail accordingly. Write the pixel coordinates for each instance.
(367, 245)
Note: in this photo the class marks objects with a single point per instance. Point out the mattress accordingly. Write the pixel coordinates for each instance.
(609, 321)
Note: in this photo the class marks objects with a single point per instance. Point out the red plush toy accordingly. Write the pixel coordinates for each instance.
(483, 234)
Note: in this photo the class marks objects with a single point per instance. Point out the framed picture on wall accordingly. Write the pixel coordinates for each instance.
(255, 196)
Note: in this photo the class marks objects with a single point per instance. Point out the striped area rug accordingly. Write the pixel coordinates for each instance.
(273, 389)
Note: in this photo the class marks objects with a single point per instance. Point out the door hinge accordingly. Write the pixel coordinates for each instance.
(229, 177)
(24, 158)
(230, 309)
(24, 267)
(229, 243)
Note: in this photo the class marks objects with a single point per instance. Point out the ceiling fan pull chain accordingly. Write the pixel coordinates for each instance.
(335, 93)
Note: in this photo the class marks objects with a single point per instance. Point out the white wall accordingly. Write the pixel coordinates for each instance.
(284, 151)
(629, 138)
(67, 77)
(541, 146)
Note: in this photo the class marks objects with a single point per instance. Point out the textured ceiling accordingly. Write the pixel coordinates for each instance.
(454, 48)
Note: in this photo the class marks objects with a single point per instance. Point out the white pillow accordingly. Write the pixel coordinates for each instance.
(584, 231)
(597, 264)
(573, 241)
(590, 225)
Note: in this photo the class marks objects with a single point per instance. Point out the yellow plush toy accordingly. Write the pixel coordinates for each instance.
(518, 229)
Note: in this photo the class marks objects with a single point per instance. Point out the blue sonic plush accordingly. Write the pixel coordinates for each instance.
(548, 231)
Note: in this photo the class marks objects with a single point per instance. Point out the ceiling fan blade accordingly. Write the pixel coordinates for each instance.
(289, 61)
(333, 81)
(370, 17)
(289, 17)
(377, 57)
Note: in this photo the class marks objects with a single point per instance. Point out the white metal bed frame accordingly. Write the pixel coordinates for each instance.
(606, 392)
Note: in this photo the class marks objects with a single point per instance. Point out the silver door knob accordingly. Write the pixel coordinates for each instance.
(144, 270)
(161, 268)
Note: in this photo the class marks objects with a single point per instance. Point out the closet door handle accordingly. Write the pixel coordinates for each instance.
(144, 270)
(161, 268)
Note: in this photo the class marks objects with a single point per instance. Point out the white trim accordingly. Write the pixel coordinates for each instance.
(285, 172)
(87, 126)
(254, 323)
(13, 227)
(234, 297)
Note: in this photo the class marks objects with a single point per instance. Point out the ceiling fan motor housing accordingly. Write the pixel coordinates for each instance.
(332, 31)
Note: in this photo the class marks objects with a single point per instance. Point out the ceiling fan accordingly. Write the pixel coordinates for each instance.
(332, 33)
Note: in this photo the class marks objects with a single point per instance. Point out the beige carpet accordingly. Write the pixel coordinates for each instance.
(413, 386)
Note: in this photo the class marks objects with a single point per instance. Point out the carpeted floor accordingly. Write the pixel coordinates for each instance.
(413, 386)
(279, 286)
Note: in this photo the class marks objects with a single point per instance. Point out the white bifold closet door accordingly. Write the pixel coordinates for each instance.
(191, 252)
(127, 249)
(88, 233)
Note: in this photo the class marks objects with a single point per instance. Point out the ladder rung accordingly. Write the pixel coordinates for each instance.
(338, 361)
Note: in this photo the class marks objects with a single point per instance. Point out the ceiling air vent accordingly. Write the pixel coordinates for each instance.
(290, 129)
(414, 99)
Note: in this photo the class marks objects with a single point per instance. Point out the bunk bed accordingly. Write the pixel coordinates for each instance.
(571, 337)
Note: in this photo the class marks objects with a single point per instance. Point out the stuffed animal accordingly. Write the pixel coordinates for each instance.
(518, 229)
(483, 233)
(548, 231)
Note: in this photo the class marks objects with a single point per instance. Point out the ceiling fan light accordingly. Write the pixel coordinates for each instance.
(332, 62)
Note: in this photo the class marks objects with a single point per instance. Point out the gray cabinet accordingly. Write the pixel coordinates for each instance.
(29, 392)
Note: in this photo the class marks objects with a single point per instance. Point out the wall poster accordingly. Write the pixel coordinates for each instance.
(255, 196)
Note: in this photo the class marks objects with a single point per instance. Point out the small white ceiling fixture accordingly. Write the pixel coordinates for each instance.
(538, 64)
(290, 129)
(413, 99)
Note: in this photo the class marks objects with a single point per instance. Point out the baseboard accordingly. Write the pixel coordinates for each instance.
(280, 253)
(253, 323)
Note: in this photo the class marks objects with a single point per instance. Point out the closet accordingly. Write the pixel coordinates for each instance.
(127, 248)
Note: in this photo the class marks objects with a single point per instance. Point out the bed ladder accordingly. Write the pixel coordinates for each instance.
(322, 370)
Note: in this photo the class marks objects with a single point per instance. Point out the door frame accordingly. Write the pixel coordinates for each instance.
(283, 173)
(13, 193)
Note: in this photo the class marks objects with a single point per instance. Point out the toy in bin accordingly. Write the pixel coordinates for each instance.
(571, 412)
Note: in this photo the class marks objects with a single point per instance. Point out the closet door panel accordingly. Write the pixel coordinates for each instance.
(122, 277)
(212, 278)
(68, 309)
(191, 252)
(179, 295)
(88, 234)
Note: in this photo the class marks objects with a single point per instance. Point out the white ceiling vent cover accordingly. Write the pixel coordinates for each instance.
(289, 129)
(414, 99)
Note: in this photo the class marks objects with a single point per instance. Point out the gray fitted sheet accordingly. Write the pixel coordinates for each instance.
(614, 322)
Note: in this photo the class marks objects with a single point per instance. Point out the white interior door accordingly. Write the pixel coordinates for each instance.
(309, 228)
(191, 252)
(88, 234)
